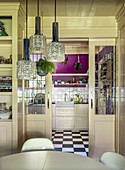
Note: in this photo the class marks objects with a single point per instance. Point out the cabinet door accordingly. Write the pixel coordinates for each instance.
(81, 109)
(53, 122)
(64, 122)
(5, 138)
(35, 127)
(81, 122)
(102, 99)
(53, 117)
(38, 106)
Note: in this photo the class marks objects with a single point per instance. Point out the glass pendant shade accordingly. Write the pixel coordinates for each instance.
(38, 40)
(37, 44)
(26, 69)
(55, 52)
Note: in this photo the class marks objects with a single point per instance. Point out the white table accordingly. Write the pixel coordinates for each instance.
(49, 160)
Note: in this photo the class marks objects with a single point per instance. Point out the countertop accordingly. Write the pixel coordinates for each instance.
(74, 103)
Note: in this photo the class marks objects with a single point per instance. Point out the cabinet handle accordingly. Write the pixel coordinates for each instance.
(48, 103)
(48, 100)
(91, 103)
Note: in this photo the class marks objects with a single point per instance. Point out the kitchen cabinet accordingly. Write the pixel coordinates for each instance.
(65, 122)
(70, 117)
(65, 117)
(105, 82)
(102, 96)
(8, 78)
(53, 116)
(5, 138)
(81, 116)
(38, 106)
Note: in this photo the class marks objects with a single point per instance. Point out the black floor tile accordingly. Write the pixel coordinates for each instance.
(71, 141)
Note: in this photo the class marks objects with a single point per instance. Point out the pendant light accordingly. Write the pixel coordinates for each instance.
(26, 69)
(38, 40)
(55, 51)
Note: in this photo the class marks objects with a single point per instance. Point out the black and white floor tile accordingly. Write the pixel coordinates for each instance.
(71, 141)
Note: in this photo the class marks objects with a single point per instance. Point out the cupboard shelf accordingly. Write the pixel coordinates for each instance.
(5, 93)
(5, 38)
(78, 74)
(70, 85)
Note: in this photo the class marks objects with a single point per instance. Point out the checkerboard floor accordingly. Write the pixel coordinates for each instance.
(71, 141)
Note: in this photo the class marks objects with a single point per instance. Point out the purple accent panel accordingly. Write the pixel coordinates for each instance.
(68, 78)
(69, 66)
(70, 85)
(105, 50)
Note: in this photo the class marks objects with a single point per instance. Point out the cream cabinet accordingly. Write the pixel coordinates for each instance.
(81, 116)
(53, 116)
(71, 117)
(5, 138)
(38, 107)
(8, 78)
(65, 117)
(102, 96)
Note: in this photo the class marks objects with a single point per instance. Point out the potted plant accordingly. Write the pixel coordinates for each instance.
(44, 67)
(80, 80)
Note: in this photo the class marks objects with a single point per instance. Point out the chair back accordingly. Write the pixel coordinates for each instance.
(113, 160)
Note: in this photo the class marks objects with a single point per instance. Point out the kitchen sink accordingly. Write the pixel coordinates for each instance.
(64, 103)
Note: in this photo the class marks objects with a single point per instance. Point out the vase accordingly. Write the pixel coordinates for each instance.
(41, 72)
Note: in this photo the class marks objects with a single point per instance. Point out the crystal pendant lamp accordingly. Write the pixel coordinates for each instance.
(55, 51)
(26, 69)
(38, 40)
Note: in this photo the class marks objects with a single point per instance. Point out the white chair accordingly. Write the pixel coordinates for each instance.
(37, 144)
(113, 160)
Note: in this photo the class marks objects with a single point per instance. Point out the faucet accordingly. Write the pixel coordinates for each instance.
(65, 97)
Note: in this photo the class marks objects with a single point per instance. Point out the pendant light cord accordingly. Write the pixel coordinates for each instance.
(26, 19)
(26, 40)
(37, 7)
(55, 10)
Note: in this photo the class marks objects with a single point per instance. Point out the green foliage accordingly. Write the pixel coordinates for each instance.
(46, 66)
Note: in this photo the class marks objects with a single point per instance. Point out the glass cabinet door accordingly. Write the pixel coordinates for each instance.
(35, 96)
(102, 96)
(105, 80)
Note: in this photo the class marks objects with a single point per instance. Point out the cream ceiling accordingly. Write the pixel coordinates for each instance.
(74, 7)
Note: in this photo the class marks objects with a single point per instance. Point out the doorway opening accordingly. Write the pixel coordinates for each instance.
(70, 108)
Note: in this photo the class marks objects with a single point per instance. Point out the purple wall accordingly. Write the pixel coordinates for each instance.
(69, 66)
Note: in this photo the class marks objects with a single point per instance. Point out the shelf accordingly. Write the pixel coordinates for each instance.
(5, 38)
(5, 93)
(78, 74)
(6, 68)
(5, 120)
(70, 85)
(35, 88)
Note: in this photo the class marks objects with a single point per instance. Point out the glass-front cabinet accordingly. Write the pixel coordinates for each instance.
(35, 97)
(105, 80)
(102, 96)
(8, 79)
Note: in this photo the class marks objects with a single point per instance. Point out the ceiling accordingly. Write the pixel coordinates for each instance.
(75, 8)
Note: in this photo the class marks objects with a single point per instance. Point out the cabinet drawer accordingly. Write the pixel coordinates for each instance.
(65, 111)
(64, 122)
